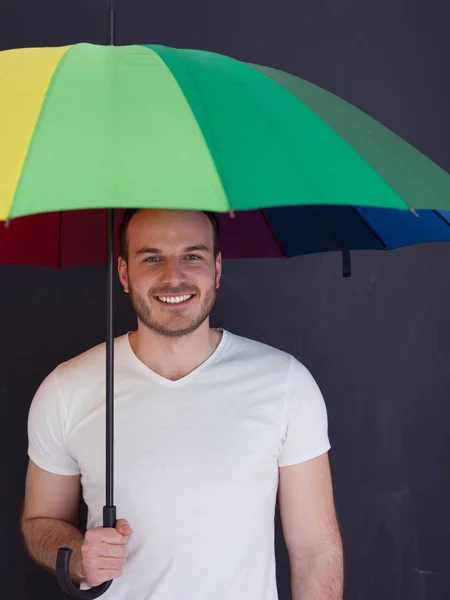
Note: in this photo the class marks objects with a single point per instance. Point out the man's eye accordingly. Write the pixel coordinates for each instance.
(152, 259)
(192, 257)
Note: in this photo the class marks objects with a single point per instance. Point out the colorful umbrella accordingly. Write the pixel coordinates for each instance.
(95, 127)
(89, 126)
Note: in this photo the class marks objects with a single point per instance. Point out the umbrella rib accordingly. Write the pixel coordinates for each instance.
(438, 214)
(273, 232)
(371, 229)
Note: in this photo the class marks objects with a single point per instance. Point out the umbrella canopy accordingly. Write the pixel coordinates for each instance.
(89, 126)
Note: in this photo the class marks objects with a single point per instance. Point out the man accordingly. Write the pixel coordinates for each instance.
(209, 428)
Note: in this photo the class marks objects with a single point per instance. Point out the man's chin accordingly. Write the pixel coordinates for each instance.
(172, 332)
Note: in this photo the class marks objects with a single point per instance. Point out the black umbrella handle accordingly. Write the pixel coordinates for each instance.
(65, 583)
(63, 568)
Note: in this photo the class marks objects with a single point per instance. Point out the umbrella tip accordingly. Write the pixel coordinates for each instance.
(414, 212)
(231, 211)
(7, 222)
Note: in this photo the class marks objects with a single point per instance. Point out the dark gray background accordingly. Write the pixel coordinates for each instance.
(378, 343)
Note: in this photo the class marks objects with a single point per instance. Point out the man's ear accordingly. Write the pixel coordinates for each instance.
(122, 269)
(218, 270)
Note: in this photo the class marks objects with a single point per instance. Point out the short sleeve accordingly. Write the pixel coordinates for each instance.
(306, 426)
(46, 430)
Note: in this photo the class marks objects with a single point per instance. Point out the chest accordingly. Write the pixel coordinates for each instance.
(179, 447)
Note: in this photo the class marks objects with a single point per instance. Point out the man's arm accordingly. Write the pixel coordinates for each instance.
(49, 518)
(311, 531)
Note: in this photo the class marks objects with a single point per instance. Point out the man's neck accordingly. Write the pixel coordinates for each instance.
(174, 357)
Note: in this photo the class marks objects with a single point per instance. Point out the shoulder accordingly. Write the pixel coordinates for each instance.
(276, 360)
(87, 366)
(248, 351)
(249, 347)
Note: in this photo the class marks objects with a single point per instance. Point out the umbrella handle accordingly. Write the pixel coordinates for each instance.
(65, 583)
(63, 570)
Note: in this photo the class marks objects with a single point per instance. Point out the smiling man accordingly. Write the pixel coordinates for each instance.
(210, 428)
(170, 265)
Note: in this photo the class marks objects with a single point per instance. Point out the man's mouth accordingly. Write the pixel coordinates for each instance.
(183, 299)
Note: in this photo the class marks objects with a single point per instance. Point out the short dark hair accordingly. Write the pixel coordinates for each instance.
(129, 214)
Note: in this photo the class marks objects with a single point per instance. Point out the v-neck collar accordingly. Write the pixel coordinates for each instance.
(137, 363)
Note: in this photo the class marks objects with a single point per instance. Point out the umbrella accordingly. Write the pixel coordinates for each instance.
(88, 126)
(103, 127)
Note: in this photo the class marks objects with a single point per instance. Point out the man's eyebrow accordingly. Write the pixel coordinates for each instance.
(194, 248)
(148, 251)
(197, 248)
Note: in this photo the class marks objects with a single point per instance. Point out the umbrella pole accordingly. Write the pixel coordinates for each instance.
(109, 510)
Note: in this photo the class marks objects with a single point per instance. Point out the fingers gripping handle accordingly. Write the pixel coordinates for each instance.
(65, 583)
(63, 568)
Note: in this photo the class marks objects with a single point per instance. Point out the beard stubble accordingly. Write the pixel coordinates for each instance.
(179, 327)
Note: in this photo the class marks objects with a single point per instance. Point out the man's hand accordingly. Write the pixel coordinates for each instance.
(104, 552)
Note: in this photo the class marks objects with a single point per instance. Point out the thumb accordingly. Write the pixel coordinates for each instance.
(123, 527)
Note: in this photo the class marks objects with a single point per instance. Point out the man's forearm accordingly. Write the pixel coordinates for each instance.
(319, 576)
(43, 538)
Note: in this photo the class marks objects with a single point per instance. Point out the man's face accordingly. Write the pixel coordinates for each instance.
(171, 274)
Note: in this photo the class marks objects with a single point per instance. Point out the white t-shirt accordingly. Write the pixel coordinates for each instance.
(196, 461)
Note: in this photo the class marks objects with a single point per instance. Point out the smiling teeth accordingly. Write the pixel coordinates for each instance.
(174, 299)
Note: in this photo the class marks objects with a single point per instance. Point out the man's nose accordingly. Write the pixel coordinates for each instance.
(173, 272)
